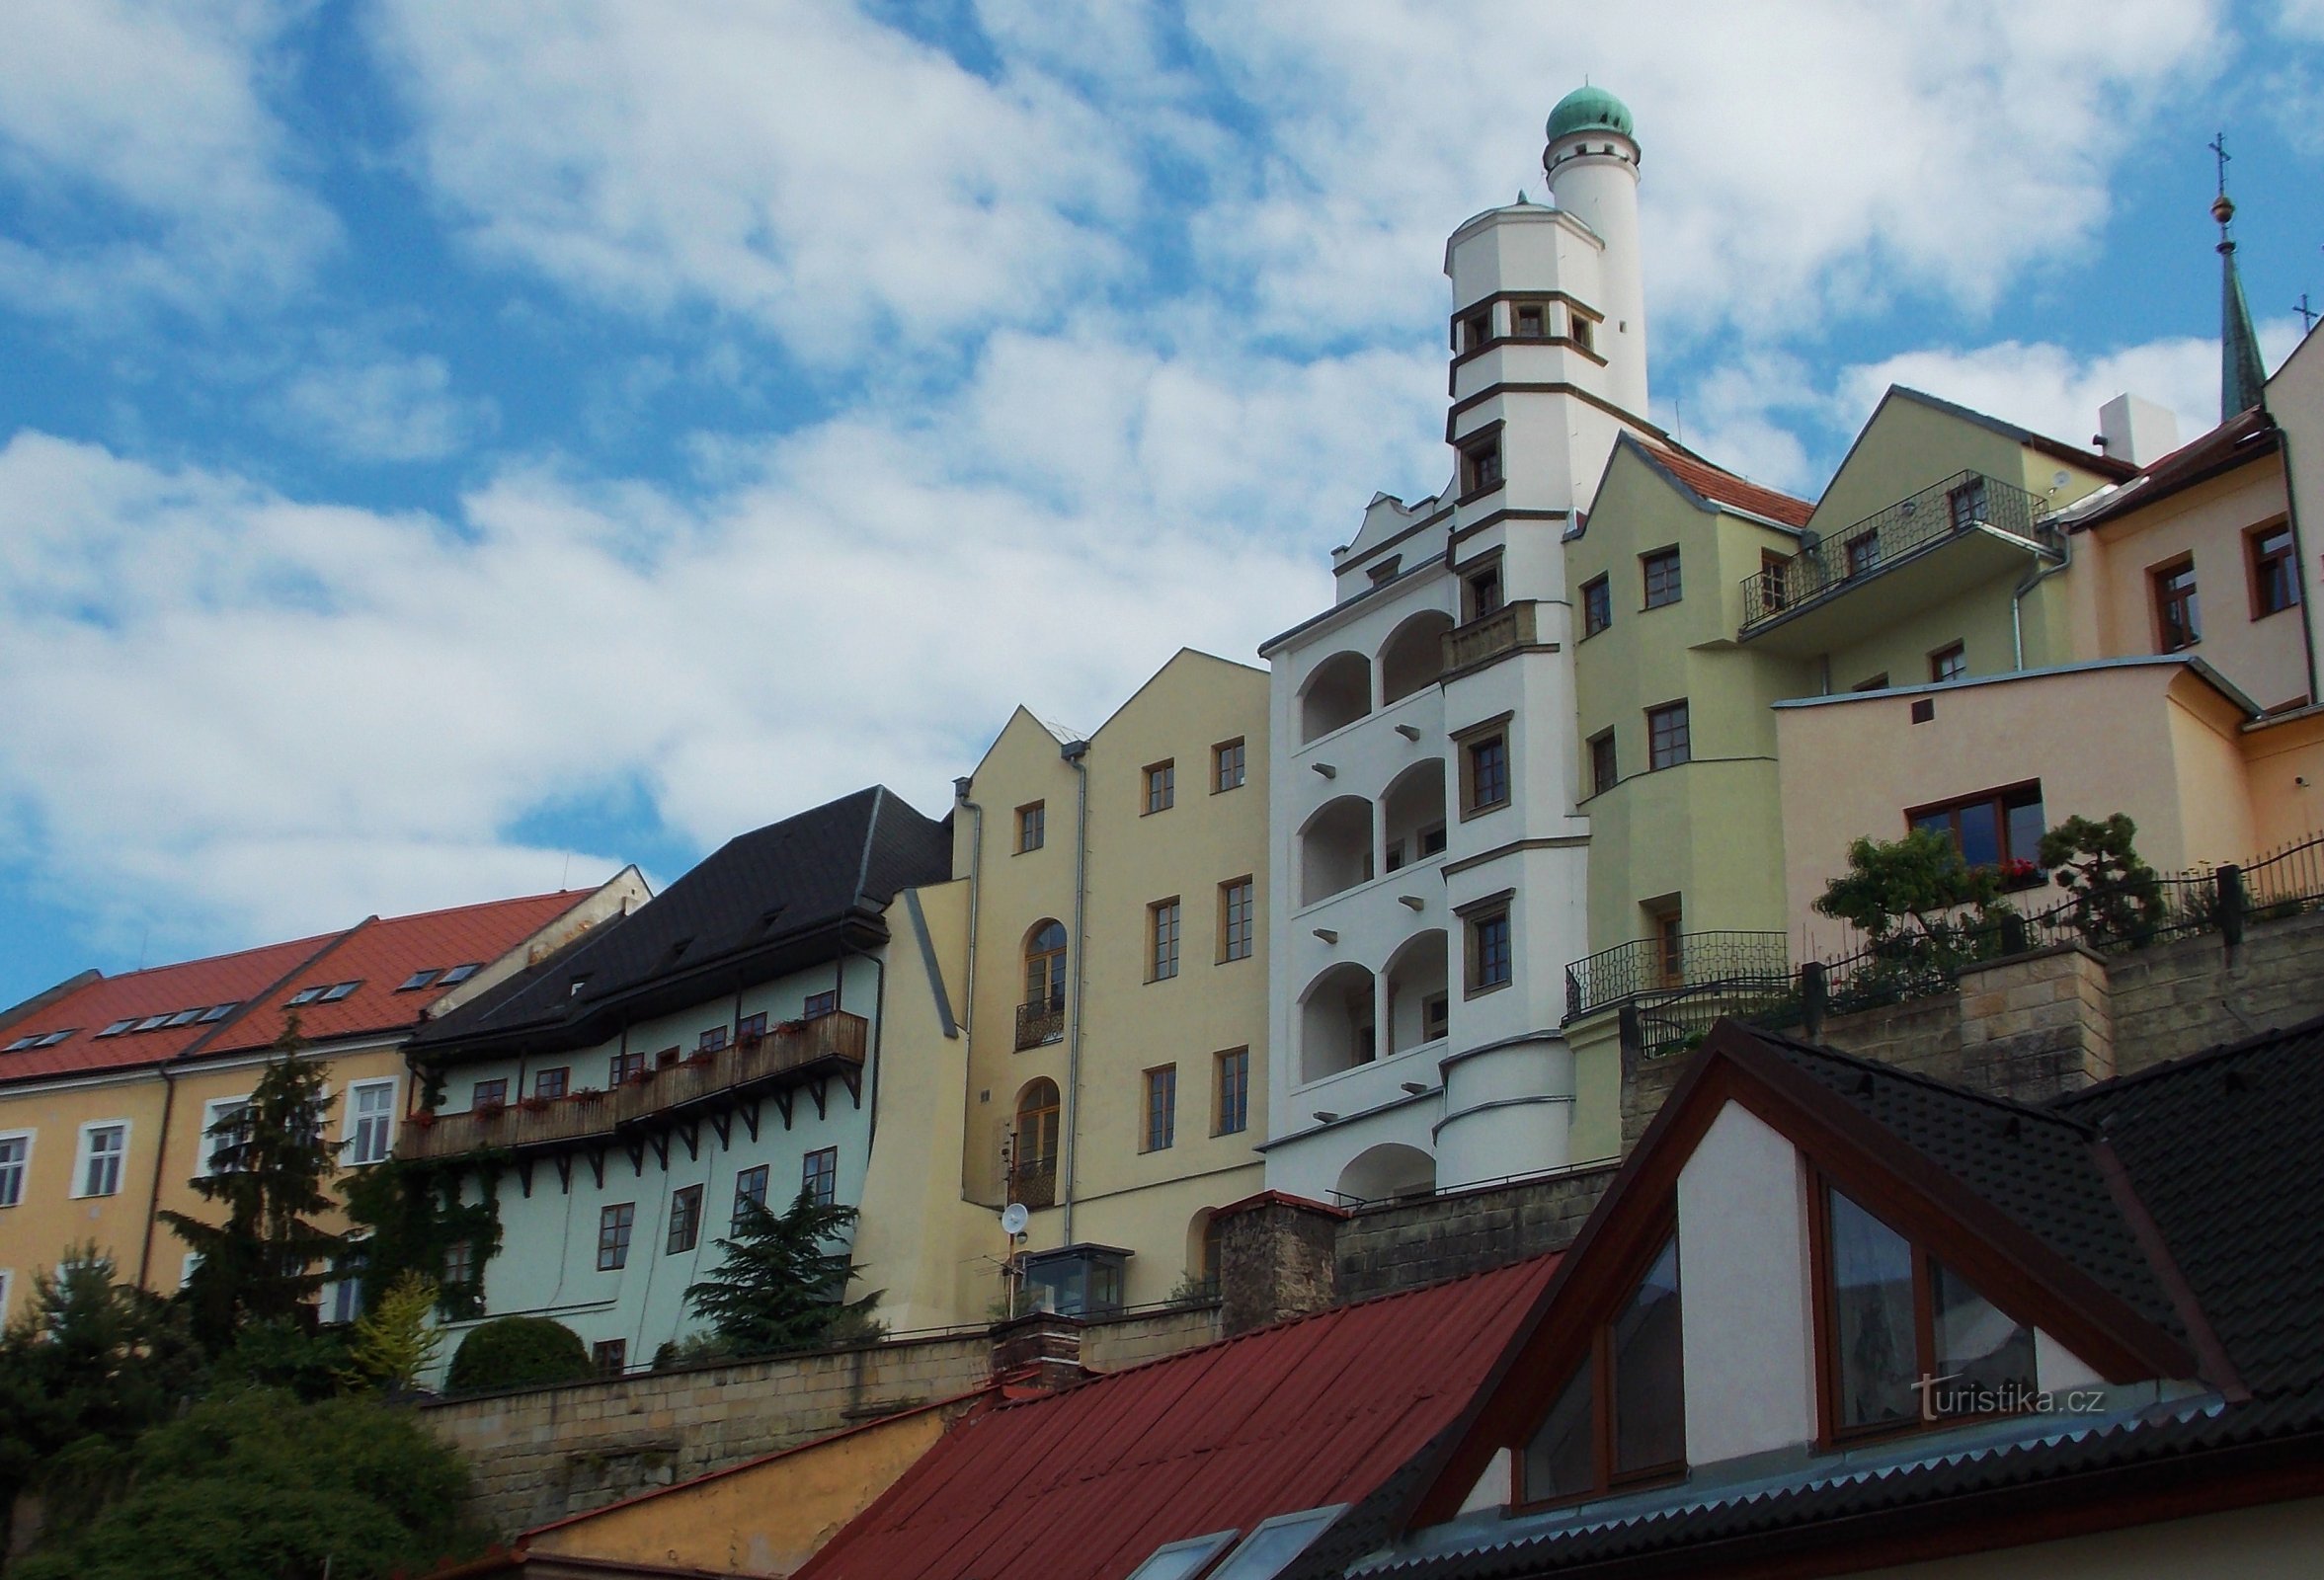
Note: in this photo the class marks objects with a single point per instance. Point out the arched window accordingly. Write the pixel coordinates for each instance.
(1040, 1018)
(1032, 1176)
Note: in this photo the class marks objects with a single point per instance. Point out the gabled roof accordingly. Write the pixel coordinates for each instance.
(1721, 487)
(377, 955)
(2236, 442)
(1084, 1485)
(734, 919)
(2088, 460)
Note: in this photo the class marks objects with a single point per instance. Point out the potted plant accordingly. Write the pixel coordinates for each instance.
(489, 1111)
(534, 1105)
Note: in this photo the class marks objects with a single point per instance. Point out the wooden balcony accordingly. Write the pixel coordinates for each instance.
(737, 1078)
(1507, 629)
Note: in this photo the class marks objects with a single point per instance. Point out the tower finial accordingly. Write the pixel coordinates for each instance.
(2243, 377)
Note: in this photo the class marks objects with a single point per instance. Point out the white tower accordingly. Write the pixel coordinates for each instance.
(1592, 162)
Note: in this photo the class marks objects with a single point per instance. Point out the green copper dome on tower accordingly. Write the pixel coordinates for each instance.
(1590, 110)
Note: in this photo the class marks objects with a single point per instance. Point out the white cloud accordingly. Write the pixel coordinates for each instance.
(394, 409)
(149, 166)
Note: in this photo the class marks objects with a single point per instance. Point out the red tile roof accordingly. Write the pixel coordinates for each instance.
(2238, 442)
(380, 955)
(1725, 488)
(1086, 1484)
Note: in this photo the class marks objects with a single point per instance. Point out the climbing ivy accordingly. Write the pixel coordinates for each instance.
(412, 1215)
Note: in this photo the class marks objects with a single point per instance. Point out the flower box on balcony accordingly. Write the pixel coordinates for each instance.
(588, 1094)
(486, 1113)
(423, 1118)
(705, 1061)
(534, 1105)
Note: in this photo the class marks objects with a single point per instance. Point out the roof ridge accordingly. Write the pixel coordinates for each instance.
(2010, 1105)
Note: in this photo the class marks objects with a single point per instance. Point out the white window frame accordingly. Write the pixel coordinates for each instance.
(23, 1179)
(185, 1266)
(7, 1291)
(82, 1158)
(349, 1120)
(212, 1110)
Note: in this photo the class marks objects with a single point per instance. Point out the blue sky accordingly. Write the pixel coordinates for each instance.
(451, 451)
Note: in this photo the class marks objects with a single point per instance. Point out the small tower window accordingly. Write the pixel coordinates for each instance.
(1581, 330)
(1530, 321)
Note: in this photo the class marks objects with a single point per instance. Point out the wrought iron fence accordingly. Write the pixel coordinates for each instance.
(1701, 960)
(1041, 1021)
(1962, 502)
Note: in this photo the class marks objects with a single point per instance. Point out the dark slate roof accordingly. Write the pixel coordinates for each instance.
(741, 916)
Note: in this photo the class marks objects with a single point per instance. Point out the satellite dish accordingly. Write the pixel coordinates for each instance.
(1013, 1219)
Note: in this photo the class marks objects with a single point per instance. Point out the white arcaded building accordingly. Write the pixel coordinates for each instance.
(1427, 855)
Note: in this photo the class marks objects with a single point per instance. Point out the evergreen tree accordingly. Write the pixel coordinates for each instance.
(396, 1340)
(780, 1286)
(268, 1166)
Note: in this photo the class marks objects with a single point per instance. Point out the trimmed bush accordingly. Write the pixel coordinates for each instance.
(518, 1352)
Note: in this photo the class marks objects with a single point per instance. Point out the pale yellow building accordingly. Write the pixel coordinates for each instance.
(1117, 1001)
(108, 1085)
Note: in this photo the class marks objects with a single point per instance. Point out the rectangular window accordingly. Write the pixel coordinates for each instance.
(1993, 828)
(610, 1357)
(489, 1094)
(1161, 1107)
(1878, 682)
(1484, 592)
(1597, 605)
(1232, 1115)
(749, 1190)
(685, 1220)
(1949, 663)
(823, 1004)
(750, 1028)
(1490, 962)
(2178, 617)
(1161, 933)
(1621, 1417)
(1668, 739)
(1774, 580)
(818, 1177)
(16, 1157)
(1604, 775)
(1480, 464)
(1432, 841)
(711, 1041)
(371, 1107)
(2275, 575)
(460, 1265)
(626, 1067)
(221, 1133)
(1032, 826)
(1661, 572)
(1488, 762)
(1864, 553)
(103, 1148)
(1228, 769)
(1581, 329)
(1436, 1017)
(1967, 504)
(346, 1286)
(553, 1083)
(1161, 786)
(1670, 956)
(1531, 320)
(1237, 920)
(613, 1225)
(1477, 328)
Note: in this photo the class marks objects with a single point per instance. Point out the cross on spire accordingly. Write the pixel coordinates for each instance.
(2219, 146)
(2308, 315)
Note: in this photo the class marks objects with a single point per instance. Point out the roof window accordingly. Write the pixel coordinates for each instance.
(54, 1037)
(117, 1027)
(460, 972)
(420, 978)
(306, 995)
(1182, 1561)
(185, 1017)
(1273, 1544)
(153, 1023)
(220, 1011)
(338, 991)
(20, 1042)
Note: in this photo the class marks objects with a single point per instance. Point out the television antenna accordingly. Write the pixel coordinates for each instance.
(1013, 1218)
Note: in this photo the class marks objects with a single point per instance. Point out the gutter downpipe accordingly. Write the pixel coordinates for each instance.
(2017, 596)
(2299, 555)
(976, 868)
(161, 1159)
(1075, 752)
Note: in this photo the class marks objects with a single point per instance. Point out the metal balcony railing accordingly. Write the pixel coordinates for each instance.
(1489, 636)
(1041, 1021)
(1962, 503)
(828, 1044)
(1034, 1182)
(1701, 959)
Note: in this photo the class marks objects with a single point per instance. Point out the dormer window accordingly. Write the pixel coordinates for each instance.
(1903, 1340)
(1621, 1417)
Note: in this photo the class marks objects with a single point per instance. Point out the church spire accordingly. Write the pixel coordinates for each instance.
(2242, 376)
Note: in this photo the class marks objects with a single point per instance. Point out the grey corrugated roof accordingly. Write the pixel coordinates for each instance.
(842, 861)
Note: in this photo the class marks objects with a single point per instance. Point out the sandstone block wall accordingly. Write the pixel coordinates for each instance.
(1398, 1246)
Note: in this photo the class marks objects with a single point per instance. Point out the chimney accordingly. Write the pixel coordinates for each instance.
(2134, 428)
(1041, 1349)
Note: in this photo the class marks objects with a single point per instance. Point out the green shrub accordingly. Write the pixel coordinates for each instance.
(518, 1352)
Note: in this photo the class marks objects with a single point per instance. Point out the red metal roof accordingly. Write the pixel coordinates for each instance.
(380, 955)
(1726, 488)
(1086, 1484)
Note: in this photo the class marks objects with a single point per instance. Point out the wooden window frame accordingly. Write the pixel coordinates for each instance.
(817, 1005)
(1158, 1108)
(1162, 949)
(1247, 887)
(493, 1093)
(1951, 650)
(1482, 469)
(1655, 763)
(685, 1220)
(1597, 605)
(1861, 555)
(613, 1235)
(1032, 826)
(1485, 731)
(1773, 582)
(741, 1194)
(2000, 799)
(823, 1164)
(2258, 563)
(1668, 561)
(548, 1091)
(1474, 982)
(1481, 591)
(1158, 782)
(1605, 762)
(1878, 682)
(1229, 765)
(625, 1068)
(1598, 1356)
(610, 1357)
(1225, 1060)
(2161, 601)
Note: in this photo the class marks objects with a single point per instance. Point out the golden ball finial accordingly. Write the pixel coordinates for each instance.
(2222, 208)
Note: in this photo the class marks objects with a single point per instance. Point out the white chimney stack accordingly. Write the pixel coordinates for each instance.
(2134, 428)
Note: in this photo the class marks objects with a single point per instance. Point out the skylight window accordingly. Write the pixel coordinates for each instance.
(20, 1042)
(460, 972)
(420, 978)
(220, 1011)
(54, 1037)
(117, 1027)
(1182, 1561)
(306, 995)
(338, 991)
(185, 1017)
(153, 1022)
(1272, 1544)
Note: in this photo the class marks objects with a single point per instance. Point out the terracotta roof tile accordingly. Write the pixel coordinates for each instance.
(1725, 488)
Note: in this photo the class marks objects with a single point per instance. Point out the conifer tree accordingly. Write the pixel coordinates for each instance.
(397, 1338)
(268, 1166)
(780, 1286)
